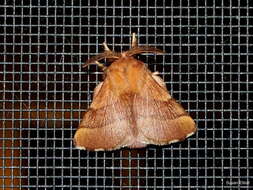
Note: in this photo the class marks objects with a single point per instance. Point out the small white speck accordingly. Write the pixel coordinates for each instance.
(174, 141)
(99, 149)
(190, 134)
(81, 147)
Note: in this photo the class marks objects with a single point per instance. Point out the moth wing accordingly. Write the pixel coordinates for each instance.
(160, 119)
(105, 126)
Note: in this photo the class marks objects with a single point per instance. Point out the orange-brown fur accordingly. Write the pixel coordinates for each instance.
(132, 108)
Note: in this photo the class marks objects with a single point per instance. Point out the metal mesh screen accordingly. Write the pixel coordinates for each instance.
(44, 92)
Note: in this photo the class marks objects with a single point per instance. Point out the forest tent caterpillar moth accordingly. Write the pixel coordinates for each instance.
(131, 107)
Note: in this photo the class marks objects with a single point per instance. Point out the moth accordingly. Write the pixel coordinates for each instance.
(131, 107)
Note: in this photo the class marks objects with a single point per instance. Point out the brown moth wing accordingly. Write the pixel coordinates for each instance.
(160, 119)
(105, 126)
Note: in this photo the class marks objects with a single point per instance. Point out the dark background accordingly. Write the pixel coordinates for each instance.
(44, 91)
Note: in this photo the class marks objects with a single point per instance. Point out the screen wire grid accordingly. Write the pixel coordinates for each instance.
(44, 92)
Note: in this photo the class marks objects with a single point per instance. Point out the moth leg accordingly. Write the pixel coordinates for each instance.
(158, 79)
(156, 73)
(100, 65)
(106, 47)
(97, 89)
(134, 41)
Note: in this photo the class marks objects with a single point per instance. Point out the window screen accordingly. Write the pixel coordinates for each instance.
(44, 92)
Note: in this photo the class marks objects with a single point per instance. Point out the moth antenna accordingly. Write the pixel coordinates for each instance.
(134, 41)
(143, 49)
(105, 55)
(86, 65)
(106, 47)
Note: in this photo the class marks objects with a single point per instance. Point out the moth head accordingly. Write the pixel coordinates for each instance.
(112, 56)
